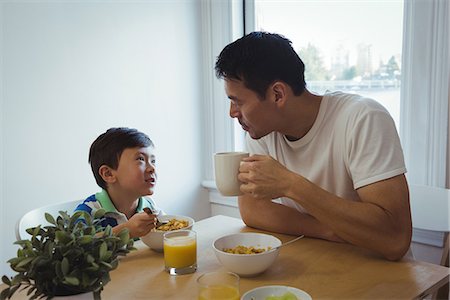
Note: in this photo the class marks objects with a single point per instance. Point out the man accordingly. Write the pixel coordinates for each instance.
(328, 166)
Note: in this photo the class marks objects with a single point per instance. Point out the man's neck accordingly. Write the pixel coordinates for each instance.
(301, 114)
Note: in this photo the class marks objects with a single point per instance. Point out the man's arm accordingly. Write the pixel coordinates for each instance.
(276, 217)
(381, 221)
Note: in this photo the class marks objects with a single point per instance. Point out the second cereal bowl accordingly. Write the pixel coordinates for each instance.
(154, 239)
(247, 265)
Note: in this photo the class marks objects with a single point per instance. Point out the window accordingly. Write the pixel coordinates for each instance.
(423, 33)
(351, 46)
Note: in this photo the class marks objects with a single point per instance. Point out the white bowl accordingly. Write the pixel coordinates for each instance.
(261, 293)
(247, 265)
(154, 239)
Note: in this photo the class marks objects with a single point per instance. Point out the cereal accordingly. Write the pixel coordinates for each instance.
(173, 224)
(245, 250)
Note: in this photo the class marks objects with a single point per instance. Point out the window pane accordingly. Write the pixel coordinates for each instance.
(347, 45)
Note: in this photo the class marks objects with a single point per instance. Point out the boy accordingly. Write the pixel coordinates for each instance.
(123, 165)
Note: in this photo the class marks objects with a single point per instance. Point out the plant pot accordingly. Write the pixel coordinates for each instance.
(82, 296)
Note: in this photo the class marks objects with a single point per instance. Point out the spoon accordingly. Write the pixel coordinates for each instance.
(287, 243)
(151, 212)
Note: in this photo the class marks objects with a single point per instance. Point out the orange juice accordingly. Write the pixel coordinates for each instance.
(180, 252)
(219, 292)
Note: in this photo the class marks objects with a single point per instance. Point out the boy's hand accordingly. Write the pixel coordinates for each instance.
(140, 224)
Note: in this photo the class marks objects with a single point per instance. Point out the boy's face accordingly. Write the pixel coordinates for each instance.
(136, 174)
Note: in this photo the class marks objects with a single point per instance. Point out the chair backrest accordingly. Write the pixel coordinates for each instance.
(37, 216)
(430, 211)
(430, 207)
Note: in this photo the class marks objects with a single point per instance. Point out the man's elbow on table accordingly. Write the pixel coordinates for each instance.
(397, 246)
(248, 209)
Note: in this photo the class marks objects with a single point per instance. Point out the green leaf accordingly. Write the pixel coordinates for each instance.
(24, 262)
(109, 266)
(90, 259)
(114, 264)
(62, 237)
(58, 270)
(15, 260)
(65, 266)
(108, 231)
(65, 215)
(71, 281)
(102, 250)
(5, 294)
(6, 280)
(124, 235)
(99, 213)
(76, 217)
(36, 231)
(50, 218)
(85, 239)
(106, 256)
(93, 268)
(18, 279)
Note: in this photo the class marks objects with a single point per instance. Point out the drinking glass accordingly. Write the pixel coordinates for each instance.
(180, 252)
(218, 286)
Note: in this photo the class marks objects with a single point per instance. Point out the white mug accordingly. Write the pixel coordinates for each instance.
(226, 170)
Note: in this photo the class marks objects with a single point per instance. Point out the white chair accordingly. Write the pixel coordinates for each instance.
(430, 211)
(37, 216)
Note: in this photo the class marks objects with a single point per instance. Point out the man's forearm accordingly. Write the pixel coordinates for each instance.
(267, 215)
(381, 222)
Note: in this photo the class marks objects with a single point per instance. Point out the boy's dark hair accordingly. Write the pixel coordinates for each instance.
(259, 59)
(108, 147)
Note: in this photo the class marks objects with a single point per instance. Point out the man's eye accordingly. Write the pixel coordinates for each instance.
(153, 161)
(238, 103)
(141, 158)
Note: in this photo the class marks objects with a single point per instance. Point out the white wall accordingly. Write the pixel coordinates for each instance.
(72, 69)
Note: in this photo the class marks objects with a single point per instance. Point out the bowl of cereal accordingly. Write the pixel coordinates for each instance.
(154, 239)
(248, 253)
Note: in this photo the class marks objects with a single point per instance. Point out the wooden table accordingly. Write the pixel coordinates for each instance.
(322, 269)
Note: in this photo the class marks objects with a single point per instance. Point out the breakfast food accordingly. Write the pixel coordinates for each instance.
(245, 250)
(285, 296)
(173, 224)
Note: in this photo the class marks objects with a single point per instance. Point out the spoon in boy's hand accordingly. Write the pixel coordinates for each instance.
(158, 222)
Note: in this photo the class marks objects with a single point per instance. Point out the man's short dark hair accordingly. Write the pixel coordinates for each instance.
(259, 59)
(108, 147)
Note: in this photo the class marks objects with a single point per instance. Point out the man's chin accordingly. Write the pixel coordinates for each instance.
(254, 135)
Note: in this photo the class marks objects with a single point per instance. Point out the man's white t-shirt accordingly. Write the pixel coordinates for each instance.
(352, 143)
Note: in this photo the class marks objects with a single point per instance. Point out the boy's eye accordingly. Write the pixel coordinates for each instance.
(153, 161)
(141, 158)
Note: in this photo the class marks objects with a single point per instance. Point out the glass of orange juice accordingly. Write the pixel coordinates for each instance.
(180, 252)
(218, 286)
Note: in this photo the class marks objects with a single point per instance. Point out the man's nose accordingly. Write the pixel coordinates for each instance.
(234, 112)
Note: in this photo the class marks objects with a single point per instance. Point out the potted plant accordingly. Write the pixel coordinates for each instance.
(73, 255)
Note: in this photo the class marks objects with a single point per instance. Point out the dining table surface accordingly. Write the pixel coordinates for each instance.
(323, 269)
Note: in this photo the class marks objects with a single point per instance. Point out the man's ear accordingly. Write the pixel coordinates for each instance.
(107, 174)
(279, 90)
